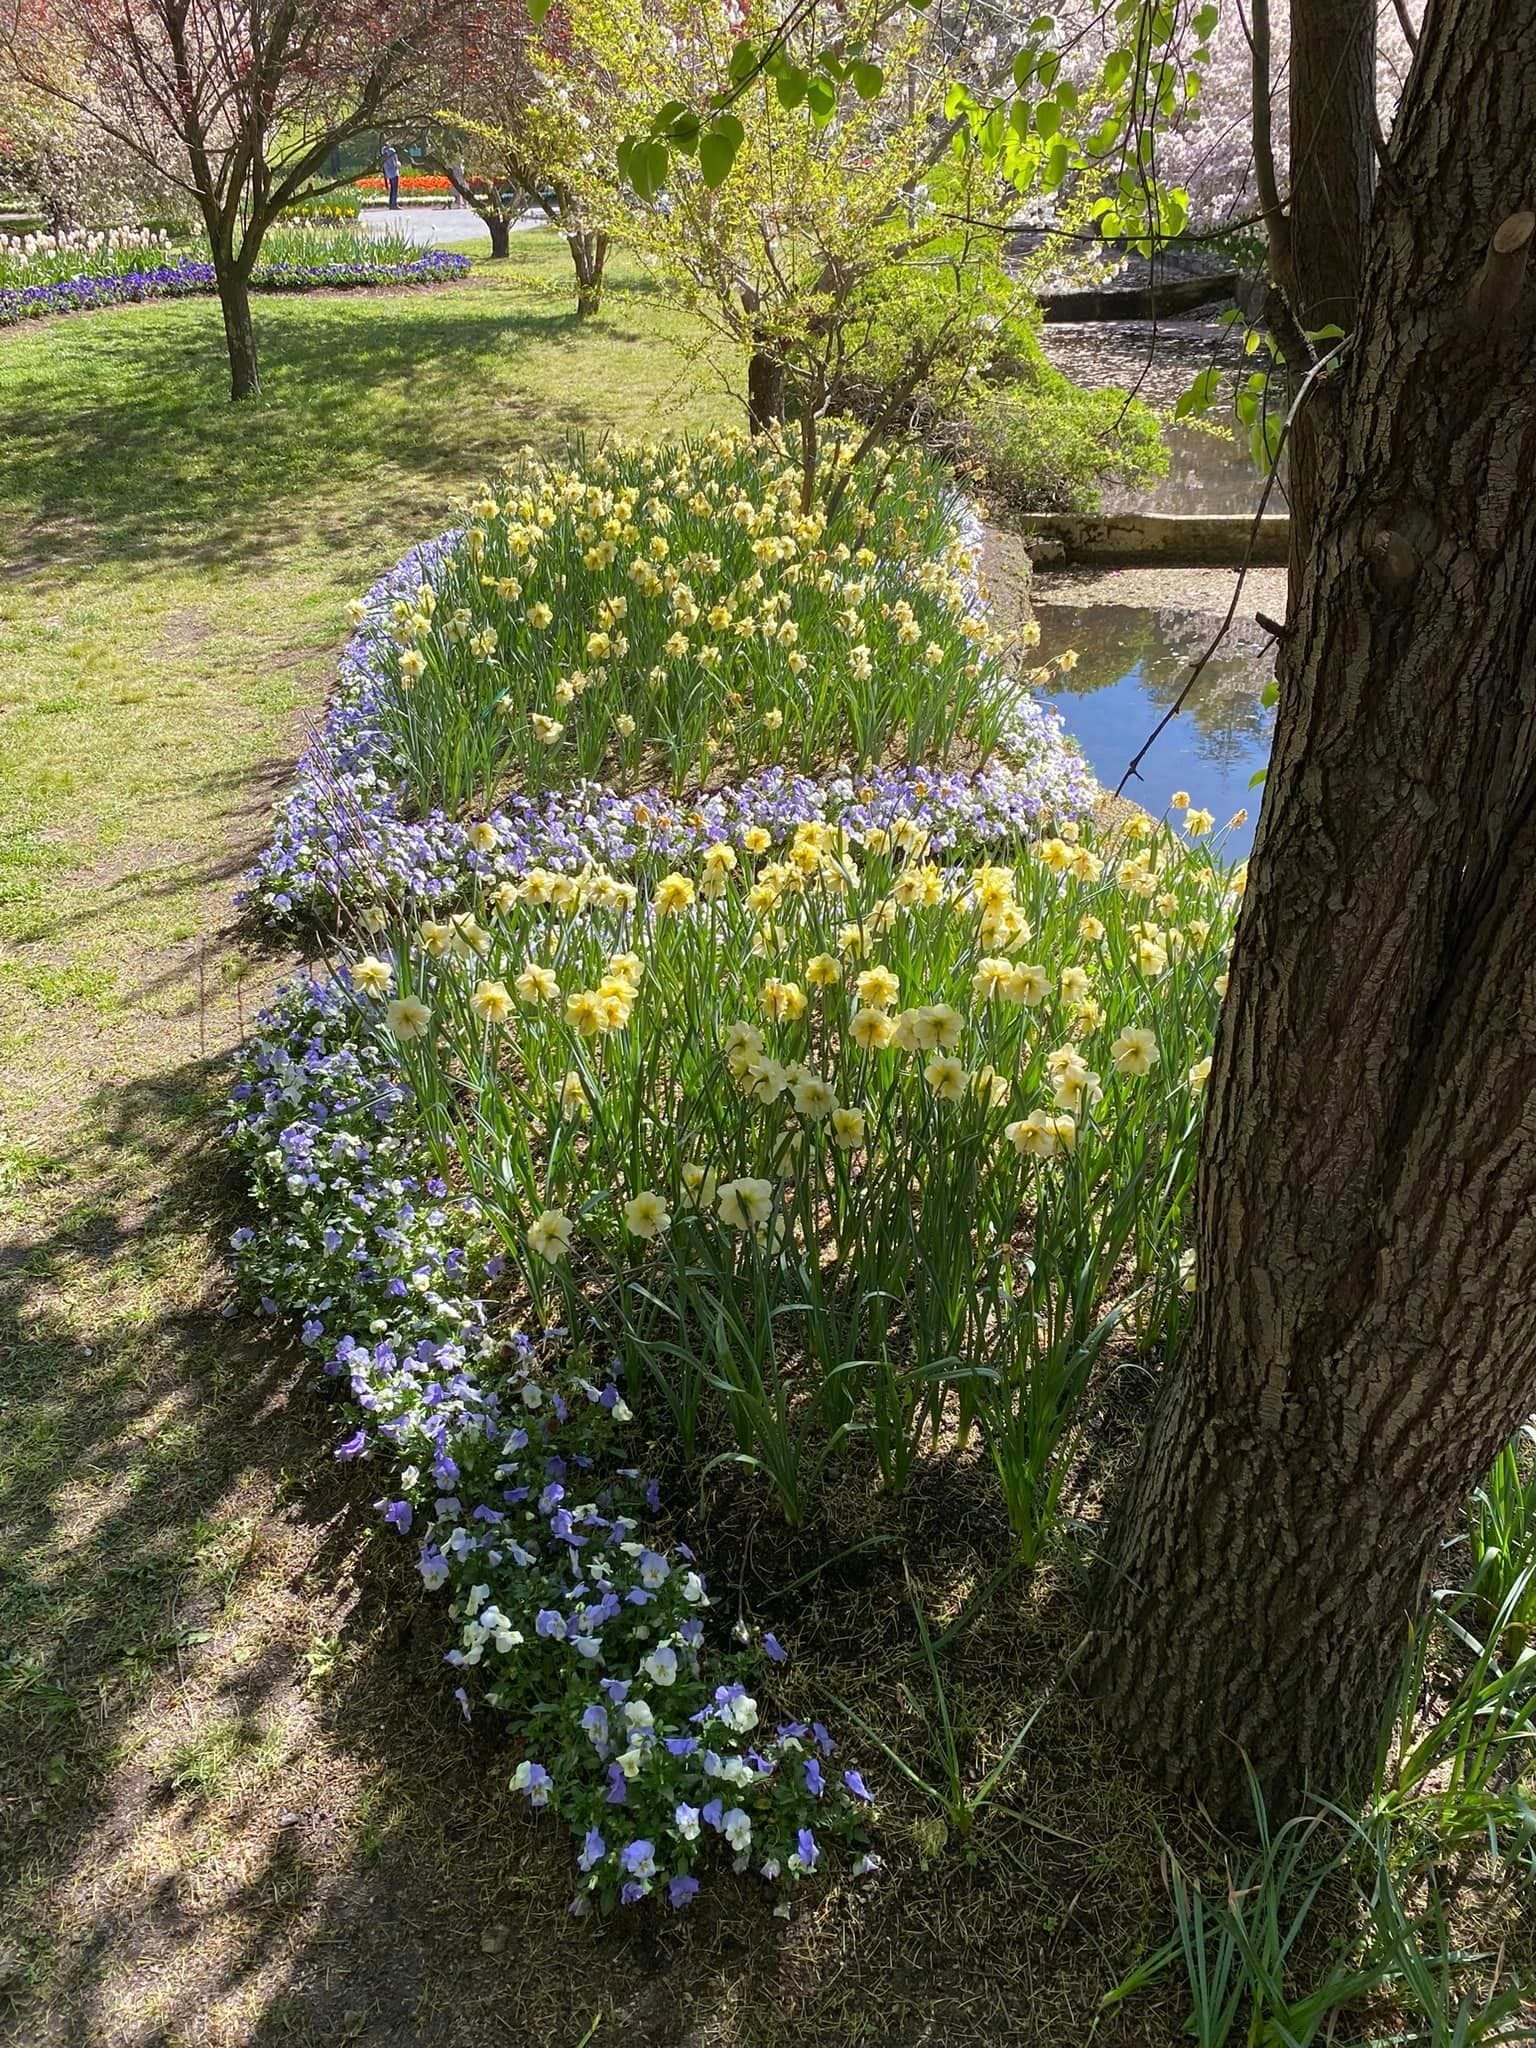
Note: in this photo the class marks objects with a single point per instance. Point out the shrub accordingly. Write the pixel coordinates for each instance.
(991, 403)
(1044, 444)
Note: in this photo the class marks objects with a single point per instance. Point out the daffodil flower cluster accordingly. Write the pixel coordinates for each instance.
(506, 1464)
(911, 1102)
(677, 600)
(365, 825)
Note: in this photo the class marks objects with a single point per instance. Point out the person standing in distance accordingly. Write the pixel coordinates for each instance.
(391, 160)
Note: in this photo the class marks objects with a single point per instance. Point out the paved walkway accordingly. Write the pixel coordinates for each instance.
(432, 226)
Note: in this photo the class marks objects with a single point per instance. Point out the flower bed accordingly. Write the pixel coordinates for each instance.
(817, 1116)
(426, 185)
(190, 278)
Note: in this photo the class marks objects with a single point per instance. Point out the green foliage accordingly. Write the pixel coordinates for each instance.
(989, 400)
(1045, 444)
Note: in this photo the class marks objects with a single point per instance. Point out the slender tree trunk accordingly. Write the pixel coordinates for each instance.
(1364, 1338)
(765, 391)
(1333, 182)
(239, 333)
(589, 253)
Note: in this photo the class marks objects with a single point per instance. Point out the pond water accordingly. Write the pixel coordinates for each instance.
(1132, 663)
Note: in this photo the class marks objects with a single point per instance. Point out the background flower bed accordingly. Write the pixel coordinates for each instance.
(363, 818)
(613, 1113)
(83, 273)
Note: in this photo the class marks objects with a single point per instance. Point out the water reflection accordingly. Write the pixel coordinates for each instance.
(1132, 663)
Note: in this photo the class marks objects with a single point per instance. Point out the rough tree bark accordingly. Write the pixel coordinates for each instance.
(1364, 1337)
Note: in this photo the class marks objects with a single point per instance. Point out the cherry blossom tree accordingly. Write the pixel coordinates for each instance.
(239, 107)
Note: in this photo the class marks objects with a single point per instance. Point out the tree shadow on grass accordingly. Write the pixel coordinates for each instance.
(241, 1804)
(121, 444)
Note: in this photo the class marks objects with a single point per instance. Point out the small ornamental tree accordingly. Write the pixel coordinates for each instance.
(241, 108)
(527, 116)
(790, 224)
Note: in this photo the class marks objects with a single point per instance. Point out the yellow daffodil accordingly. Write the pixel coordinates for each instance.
(674, 893)
(784, 1001)
(371, 975)
(946, 1078)
(646, 1215)
(585, 1012)
(537, 984)
(549, 1236)
(990, 1087)
(1027, 985)
(987, 982)
(1198, 823)
(1199, 1074)
(483, 837)
(877, 987)
(872, 1030)
(813, 1097)
(823, 971)
(1074, 1084)
(744, 1204)
(1135, 1051)
(848, 1128)
(408, 1017)
(1041, 1135)
(491, 1003)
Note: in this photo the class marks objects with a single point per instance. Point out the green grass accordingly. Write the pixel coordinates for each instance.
(174, 574)
(177, 568)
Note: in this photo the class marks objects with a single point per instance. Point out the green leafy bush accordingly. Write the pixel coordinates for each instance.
(952, 351)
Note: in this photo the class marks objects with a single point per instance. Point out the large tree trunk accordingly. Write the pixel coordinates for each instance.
(501, 233)
(1364, 1337)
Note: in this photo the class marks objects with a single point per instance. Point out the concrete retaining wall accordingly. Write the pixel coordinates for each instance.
(1182, 539)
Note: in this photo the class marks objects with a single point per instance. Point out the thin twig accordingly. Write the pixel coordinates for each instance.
(1247, 563)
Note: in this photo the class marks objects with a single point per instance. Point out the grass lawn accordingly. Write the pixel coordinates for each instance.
(183, 1659)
